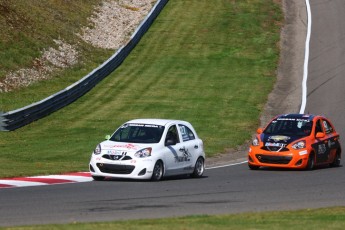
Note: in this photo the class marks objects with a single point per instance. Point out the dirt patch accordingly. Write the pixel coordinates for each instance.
(114, 22)
(110, 27)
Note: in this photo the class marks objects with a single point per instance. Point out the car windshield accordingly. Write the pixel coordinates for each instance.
(138, 133)
(289, 127)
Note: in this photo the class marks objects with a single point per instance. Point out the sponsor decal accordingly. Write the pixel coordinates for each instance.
(117, 152)
(331, 143)
(127, 146)
(269, 144)
(304, 152)
(293, 119)
(321, 149)
(140, 125)
(185, 157)
(279, 138)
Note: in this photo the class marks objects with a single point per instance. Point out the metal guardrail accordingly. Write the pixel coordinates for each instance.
(17, 118)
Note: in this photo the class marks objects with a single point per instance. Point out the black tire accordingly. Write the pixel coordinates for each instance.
(336, 161)
(311, 162)
(98, 178)
(253, 167)
(199, 168)
(157, 173)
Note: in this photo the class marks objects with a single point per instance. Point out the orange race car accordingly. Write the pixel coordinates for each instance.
(300, 141)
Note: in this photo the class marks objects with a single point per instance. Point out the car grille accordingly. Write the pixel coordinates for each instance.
(116, 157)
(115, 169)
(274, 149)
(273, 159)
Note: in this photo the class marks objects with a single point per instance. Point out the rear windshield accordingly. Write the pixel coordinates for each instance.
(138, 133)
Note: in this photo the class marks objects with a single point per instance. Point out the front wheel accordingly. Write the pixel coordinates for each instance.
(311, 161)
(253, 167)
(336, 161)
(98, 178)
(199, 168)
(157, 173)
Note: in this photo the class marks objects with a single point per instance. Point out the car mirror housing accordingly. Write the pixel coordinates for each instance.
(169, 142)
(259, 130)
(107, 137)
(320, 135)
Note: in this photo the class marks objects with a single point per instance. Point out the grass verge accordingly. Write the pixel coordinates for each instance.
(325, 218)
(212, 63)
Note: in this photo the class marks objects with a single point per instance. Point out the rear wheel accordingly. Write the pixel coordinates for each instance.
(98, 178)
(157, 173)
(337, 158)
(199, 168)
(311, 162)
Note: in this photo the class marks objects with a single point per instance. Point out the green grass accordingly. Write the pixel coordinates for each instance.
(212, 63)
(324, 218)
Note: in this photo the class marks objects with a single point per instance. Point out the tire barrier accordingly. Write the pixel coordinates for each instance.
(15, 119)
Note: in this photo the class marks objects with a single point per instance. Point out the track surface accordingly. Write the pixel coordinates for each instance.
(326, 80)
(223, 190)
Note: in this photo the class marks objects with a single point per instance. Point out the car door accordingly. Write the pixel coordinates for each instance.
(173, 152)
(320, 146)
(332, 140)
(190, 147)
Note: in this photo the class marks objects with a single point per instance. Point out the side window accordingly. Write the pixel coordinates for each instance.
(186, 133)
(172, 134)
(327, 126)
(318, 127)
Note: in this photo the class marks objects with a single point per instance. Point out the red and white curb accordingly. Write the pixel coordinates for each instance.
(45, 180)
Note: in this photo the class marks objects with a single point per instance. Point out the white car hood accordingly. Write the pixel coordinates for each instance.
(107, 146)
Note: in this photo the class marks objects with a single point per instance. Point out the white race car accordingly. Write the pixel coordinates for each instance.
(149, 149)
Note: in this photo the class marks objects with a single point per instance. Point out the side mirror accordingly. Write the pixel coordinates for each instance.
(320, 135)
(259, 130)
(107, 137)
(169, 142)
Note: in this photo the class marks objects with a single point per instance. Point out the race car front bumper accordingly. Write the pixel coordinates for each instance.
(132, 169)
(289, 159)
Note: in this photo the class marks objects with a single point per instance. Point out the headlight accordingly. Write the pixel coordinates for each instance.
(97, 150)
(299, 145)
(143, 153)
(255, 142)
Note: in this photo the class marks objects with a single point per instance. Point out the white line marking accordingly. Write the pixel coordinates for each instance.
(306, 60)
(222, 166)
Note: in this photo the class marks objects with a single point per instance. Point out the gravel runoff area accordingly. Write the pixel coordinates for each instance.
(114, 21)
(111, 26)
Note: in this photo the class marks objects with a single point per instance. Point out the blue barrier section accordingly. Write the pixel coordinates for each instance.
(17, 118)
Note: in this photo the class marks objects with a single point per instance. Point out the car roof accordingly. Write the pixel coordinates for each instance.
(155, 121)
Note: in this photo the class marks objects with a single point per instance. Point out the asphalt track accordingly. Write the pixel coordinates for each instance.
(231, 189)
